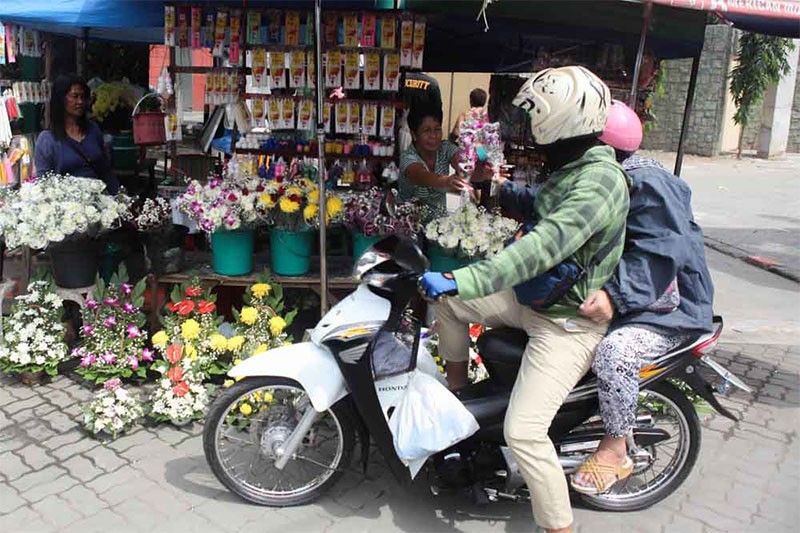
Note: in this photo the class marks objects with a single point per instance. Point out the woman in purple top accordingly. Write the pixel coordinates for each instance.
(73, 144)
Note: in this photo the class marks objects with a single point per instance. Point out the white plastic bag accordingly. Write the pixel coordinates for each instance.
(428, 419)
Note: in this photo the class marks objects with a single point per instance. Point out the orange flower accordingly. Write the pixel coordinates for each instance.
(174, 353)
(184, 307)
(170, 307)
(194, 292)
(175, 374)
(205, 307)
(180, 389)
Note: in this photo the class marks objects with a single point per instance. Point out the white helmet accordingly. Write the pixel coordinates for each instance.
(564, 103)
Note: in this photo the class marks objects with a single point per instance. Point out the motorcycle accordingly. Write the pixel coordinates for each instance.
(288, 429)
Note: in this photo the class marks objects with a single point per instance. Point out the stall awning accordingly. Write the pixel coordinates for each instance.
(772, 17)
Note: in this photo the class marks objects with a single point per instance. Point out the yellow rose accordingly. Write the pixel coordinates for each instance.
(190, 351)
(288, 206)
(310, 212)
(235, 343)
(260, 348)
(333, 207)
(266, 199)
(313, 196)
(249, 315)
(276, 325)
(260, 290)
(160, 339)
(218, 342)
(246, 409)
(190, 329)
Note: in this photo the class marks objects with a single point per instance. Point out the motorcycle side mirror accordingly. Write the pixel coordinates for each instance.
(388, 203)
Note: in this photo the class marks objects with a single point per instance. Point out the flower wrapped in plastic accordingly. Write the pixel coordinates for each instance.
(362, 213)
(53, 208)
(32, 339)
(152, 215)
(113, 410)
(471, 232)
(226, 204)
(113, 335)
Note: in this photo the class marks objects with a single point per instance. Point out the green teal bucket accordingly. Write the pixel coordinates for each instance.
(442, 261)
(290, 251)
(124, 154)
(232, 252)
(361, 242)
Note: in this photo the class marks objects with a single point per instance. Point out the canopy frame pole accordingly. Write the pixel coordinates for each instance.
(646, 16)
(321, 171)
(81, 45)
(687, 113)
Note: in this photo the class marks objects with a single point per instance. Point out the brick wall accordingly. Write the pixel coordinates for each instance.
(705, 125)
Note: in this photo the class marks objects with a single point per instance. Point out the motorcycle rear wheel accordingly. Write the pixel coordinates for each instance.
(275, 405)
(686, 437)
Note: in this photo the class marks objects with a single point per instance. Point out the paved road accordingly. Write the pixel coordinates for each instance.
(54, 478)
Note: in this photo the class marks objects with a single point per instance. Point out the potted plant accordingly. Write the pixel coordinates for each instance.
(65, 215)
(227, 209)
(32, 341)
(162, 239)
(112, 411)
(113, 341)
(367, 225)
(465, 235)
(293, 215)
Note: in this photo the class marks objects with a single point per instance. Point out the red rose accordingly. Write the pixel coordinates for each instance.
(174, 353)
(175, 374)
(180, 389)
(194, 292)
(184, 307)
(205, 307)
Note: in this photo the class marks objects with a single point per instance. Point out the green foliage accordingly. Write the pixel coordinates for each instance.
(761, 62)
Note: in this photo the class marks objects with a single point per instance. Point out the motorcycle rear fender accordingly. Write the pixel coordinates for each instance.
(312, 366)
(704, 390)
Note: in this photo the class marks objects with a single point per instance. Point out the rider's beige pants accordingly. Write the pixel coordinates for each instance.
(558, 354)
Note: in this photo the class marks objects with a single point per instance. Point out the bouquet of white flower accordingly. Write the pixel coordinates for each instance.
(178, 400)
(471, 232)
(225, 204)
(54, 207)
(154, 214)
(33, 339)
(112, 410)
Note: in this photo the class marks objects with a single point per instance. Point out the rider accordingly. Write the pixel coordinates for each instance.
(659, 297)
(579, 211)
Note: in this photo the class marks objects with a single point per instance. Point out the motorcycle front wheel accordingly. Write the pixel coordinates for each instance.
(671, 460)
(252, 419)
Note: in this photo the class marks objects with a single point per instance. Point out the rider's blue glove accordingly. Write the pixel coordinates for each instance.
(437, 284)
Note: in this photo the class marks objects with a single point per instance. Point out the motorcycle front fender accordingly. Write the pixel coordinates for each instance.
(312, 366)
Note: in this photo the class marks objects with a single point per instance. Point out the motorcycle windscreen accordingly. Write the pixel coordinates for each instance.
(395, 346)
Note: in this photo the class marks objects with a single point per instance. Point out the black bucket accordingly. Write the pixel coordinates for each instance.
(75, 262)
(164, 249)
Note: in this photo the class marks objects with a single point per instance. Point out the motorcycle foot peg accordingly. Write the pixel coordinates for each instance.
(479, 495)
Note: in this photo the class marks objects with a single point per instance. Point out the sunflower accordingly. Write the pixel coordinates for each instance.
(287, 205)
(310, 212)
(333, 208)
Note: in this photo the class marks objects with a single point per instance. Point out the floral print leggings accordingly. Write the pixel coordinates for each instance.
(617, 361)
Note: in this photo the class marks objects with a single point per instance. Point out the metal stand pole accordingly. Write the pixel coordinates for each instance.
(323, 259)
(648, 12)
(687, 112)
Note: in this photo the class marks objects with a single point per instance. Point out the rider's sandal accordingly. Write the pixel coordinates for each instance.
(602, 476)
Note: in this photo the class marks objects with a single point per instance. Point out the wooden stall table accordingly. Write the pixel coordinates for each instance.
(198, 264)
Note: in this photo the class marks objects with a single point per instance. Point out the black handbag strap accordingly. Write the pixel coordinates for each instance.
(603, 252)
(78, 150)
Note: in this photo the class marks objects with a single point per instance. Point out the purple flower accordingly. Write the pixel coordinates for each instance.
(196, 207)
(133, 362)
(133, 331)
(108, 358)
(126, 288)
(147, 355)
(230, 220)
(110, 322)
(113, 302)
(88, 360)
(112, 384)
(213, 184)
(191, 189)
(207, 225)
(92, 304)
(128, 307)
(87, 330)
(232, 197)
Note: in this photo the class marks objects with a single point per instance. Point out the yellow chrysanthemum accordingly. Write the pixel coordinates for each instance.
(246, 409)
(218, 342)
(235, 343)
(260, 348)
(190, 351)
(267, 398)
(276, 325)
(248, 316)
(310, 212)
(236, 361)
(294, 191)
(333, 207)
(227, 383)
(260, 290)
(160, 339)
(190, 329)
(266, 200)
(287, 205)
(313, 196)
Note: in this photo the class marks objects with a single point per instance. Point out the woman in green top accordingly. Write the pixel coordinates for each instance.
(425, 165)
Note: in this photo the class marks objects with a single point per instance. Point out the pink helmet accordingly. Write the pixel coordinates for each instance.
(623, 129)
